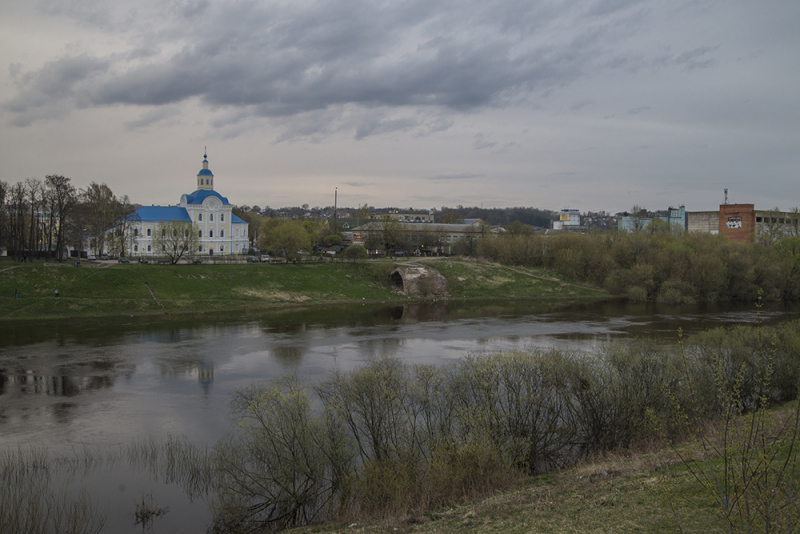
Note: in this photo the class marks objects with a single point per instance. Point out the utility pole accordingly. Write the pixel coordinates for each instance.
(335, 201)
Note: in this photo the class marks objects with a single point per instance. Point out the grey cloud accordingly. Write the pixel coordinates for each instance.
(580, 105)
(42, 93)
(455, 177)
(384, 126)
(692, 58)
(312, 62)
(153, 116)
(506, 147)
(190, 9)
(689, 60)
(87, 12)
(359, 184)
(481, 142)
(606, 7)
(640, 109)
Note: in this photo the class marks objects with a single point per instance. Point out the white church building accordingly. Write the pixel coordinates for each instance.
(219, 231)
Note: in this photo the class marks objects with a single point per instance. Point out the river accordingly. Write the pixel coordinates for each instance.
(109, 381)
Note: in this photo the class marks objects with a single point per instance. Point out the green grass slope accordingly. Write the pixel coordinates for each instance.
(116, 289)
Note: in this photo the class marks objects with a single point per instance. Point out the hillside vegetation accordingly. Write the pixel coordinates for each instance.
(659, 265)
(94, 290)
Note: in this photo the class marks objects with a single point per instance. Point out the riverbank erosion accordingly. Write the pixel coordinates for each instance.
(51, 290)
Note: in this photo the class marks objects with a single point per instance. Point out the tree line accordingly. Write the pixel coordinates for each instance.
(660, 264)
(40, 218)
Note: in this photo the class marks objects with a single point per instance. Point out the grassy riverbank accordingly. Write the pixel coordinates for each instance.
(625, 492)
(116, 289)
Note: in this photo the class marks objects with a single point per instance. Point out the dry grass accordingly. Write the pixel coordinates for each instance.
(622, 492)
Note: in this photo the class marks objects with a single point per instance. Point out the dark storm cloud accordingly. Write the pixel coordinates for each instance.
(318, 59)
(42, 92)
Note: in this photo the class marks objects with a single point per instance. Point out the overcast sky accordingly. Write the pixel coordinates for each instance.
(594, 105)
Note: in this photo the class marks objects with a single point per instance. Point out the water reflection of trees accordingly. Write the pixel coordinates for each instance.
(27, 383)
(381, 348)
(287, 354)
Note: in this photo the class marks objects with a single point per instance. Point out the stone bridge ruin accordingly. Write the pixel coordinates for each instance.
(414, 280)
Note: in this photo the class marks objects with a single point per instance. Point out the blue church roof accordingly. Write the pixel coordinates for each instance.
(205, 172)
(200, 195)
(237, 220)
(161, 213)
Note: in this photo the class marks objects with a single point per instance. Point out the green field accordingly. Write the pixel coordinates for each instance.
(117, 289)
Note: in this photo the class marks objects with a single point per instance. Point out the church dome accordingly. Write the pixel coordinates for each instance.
(205, 170)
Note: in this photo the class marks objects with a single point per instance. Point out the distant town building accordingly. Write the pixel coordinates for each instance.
(737, 221)
(742, 223)
(674, 217)
(702, 221)
(410, 217)
(423, 238)
(568, 219)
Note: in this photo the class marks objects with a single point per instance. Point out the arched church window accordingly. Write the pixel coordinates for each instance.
(163, 232)
(136, 248)
(211, 233)
(222, 233)
(211, 217)
(222, 248)
(148, 234)
(148, 248)
(199, 233)
(222, 217)
(199, 217)
(135, 232)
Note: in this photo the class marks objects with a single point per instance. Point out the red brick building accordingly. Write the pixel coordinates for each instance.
(738, 221)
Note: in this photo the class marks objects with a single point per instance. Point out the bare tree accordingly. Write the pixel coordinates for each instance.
(101, 213)
(363, 214)
(121, 238)
(639, 218)
(62, 199)
(3, 193)
(450, 217)
(35, 194)
(384, 234)
(17, 210)
(174, 239)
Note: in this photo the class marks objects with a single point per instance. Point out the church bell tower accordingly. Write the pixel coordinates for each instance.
(205, 178)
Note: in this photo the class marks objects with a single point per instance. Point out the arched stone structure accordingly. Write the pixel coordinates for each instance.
(416, 281)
